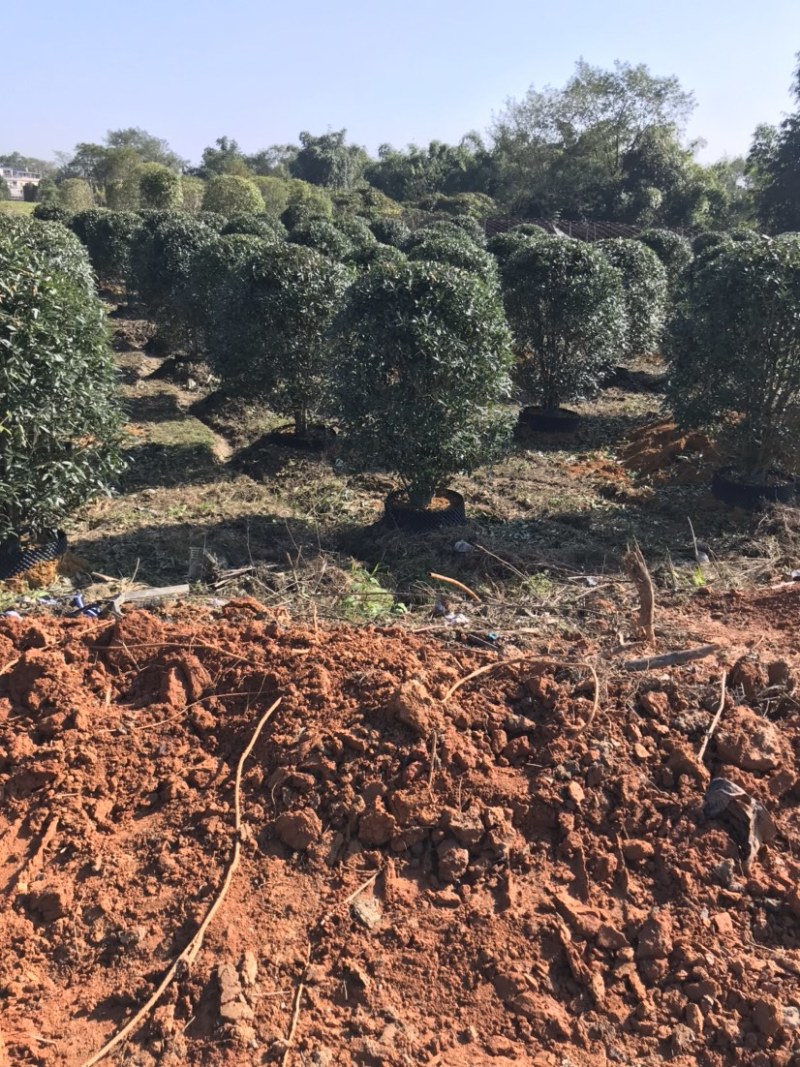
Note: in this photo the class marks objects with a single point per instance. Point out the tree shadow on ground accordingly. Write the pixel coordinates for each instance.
(595, 432)
(152, 466)
(154, 407)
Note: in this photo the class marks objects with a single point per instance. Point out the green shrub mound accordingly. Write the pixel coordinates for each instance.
(325, 237)
(212, 269)
(504, 245)
(644, 288)
(262, 225)
(390, 231)
(159, 187)
(453, 249)
(423, 360)
(271, 321)
(61, 246)
(60, 419)
(457, 226)
(708, 239)
(360, 236)
(734, 351)
(162, 255)
(51, 213)
(565, 305)
(213, 220)
(674, 251)
(108, 237)
(230, 195)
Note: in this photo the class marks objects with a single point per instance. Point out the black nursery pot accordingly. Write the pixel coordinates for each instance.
(733, 490)
(400, 515)
(560, 420)
(316, 439)
(14, 559)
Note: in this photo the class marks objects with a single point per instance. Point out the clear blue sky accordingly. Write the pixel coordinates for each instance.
(408, 70)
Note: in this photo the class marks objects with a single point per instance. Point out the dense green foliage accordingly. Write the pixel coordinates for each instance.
(230, 195)
(270, 337)
(108, 237)
(674, 251)
(74, 194)
(565, 306)
(453, 248)
(503, 245)
(60, 419)
(774, 167)
(423, 360)
(390, 231)
(324, 236)
(644, 289)
(734, 350)
(262, 225)
(160, 188)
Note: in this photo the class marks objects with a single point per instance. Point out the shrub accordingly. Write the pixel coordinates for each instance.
(734, 350)
(360, 236)
(211, 269)
(193, 192)
(109, 236)
(423, 360)
(674, 251)
(707, 239)
(503, 245)
(161, 259)
(458, 225)
(274, 192)
(270, 335)
(214, 221)
(457, 251)
(75, 194)
(366, 202)
(51, 213)
(5, 190)
(644, 290)
(325, 237)
(62, 247)
(257, 226)
(58, 410)
(565, 307)
(160, 188)
(122, 194)
(390, 231)
(474, 205)
(230, 194)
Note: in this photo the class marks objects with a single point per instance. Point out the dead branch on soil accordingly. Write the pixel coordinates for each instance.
(636, 568)
(189, 954)
(32, 866)
(296, 1013)
(715, 721)
(458, 585)
(670, 659)
(535, 659)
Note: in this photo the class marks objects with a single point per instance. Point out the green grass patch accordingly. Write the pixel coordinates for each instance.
(16, 207)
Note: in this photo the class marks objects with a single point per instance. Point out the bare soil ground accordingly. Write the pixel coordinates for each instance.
(486, 878)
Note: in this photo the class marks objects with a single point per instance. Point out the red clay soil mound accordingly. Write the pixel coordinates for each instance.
(469, 882)
(663, 452)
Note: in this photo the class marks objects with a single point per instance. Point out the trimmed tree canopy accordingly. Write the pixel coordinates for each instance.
(230, 194)
(674, 251)
(270, 335)
(644, 288)
(565, 306)
(423, 360)
(734, 350)
(59, 414)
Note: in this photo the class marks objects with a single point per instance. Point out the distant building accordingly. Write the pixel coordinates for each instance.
(16, 179)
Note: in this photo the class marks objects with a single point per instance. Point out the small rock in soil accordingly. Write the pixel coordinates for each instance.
(453, 861)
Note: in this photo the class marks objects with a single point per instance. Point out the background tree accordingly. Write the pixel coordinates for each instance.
(230, 194)
(328, 161)
(5, 192)
(423, 360)
(225, 157)
(75, 194)
(565, 306)
(60, 414)
(774, 165)
(270, 337)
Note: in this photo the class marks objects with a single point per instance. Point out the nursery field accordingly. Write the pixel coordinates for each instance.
(291, 786)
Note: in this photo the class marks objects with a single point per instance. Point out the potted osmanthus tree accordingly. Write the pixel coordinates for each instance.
(423, 361)
(270, 333)
(733, 347)
(565, 306)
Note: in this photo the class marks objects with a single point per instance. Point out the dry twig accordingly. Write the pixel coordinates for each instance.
(715, 721)
(189, 954)
(296, 1013)
(670, 659)
(459, 585)
(636, 567)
